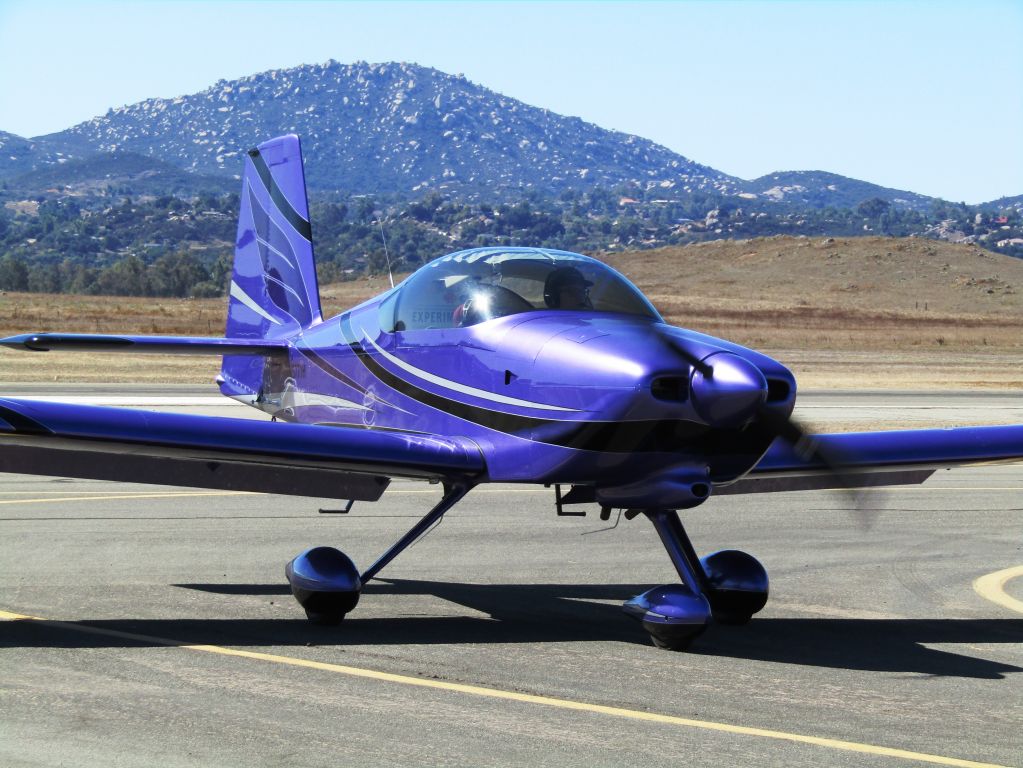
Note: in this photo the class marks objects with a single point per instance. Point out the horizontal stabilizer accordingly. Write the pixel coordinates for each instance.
(162, 345)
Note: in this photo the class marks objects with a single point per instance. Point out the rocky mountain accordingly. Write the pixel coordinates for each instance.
(377, 128)
(18, 155)
(1008, 203)
(117, 172)
(405, 130)
(819, 189)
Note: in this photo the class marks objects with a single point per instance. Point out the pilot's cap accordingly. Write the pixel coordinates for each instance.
(560, 278)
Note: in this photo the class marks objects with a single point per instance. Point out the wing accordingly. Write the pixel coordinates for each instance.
(163, 345)
(879, 458)
(104, 443)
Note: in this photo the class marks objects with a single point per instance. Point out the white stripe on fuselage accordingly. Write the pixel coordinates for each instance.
(464, 389)
(298, 399)
(315, 398)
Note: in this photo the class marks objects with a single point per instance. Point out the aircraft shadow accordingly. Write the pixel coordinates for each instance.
(549, 613)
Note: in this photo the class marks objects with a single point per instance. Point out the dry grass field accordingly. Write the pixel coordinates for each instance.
(869, 312)
(846, 313)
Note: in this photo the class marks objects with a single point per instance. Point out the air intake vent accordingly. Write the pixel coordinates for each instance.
(778, 390)
(671, 389)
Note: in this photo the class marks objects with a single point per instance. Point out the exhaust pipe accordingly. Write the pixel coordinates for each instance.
(670, 489)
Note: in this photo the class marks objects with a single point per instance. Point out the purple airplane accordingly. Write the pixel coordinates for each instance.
(522, 365)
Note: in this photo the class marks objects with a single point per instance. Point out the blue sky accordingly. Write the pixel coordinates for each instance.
(924, 96)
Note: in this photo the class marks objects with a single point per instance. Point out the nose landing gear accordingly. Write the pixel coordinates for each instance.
(728, 586)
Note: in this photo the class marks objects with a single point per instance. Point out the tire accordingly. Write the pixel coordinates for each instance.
(325, 619)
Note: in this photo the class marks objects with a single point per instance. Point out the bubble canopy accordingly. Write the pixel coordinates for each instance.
(470, 287)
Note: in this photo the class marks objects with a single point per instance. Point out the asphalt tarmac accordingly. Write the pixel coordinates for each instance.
(166, 633)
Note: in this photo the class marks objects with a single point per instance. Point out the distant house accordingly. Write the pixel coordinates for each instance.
(1001, 220)
(627, 201)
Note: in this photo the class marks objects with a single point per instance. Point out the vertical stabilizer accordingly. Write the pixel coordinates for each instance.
(273, 288)
(274, 293)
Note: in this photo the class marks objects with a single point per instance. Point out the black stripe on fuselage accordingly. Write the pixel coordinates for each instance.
(294, 218)
(614, 436)
(341, 376)
(23, 424)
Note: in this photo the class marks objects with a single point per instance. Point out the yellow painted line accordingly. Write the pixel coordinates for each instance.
(918, 489)
(117, 494)
(475, 491)
(62, 499)
(963, 488)
(992, 587)
(878, 489)
(524, 698)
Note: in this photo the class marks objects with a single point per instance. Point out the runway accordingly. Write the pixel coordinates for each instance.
(166, 633)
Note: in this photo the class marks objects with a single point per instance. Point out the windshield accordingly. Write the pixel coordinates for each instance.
(469, 287)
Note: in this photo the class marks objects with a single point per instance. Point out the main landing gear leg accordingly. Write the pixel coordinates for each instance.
(729, 585)
(326, 582)
(453, 493)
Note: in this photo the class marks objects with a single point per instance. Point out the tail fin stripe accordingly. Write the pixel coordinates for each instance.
(294, 218)
(285, 286)
(266, 244)
(266, 233)
(278, 271)
(247, 300)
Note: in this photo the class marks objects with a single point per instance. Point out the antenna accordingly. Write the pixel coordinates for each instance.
(387, 256)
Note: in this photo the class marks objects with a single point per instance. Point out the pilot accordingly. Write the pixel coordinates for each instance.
(566, 288)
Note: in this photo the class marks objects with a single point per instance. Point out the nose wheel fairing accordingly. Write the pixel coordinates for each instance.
(672, 614)
(728, 586)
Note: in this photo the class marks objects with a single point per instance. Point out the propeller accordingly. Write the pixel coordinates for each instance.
(808, 448)
(728, 390)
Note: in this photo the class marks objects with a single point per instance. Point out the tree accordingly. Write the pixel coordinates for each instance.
(424, 209)
(125, 278)
(873, 208)
(174, 275)
(45, 278)
(221, 272)
(207, 202)
(13, 274)
(77, 278)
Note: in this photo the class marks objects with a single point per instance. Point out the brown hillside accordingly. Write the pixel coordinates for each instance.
(842, 312)
(849, 312)
(866, 274)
